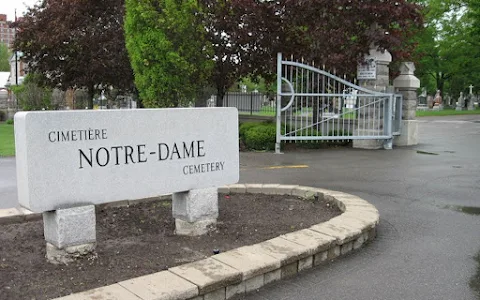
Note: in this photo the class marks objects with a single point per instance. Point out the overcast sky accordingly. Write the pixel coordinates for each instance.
(8, 7)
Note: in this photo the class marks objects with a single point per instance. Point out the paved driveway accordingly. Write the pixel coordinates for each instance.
(425, 248)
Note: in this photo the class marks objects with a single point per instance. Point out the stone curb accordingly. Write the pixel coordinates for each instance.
(247, 268)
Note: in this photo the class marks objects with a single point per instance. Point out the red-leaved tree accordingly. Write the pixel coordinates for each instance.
(76, 44)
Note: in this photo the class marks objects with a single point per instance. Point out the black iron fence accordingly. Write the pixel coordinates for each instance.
(250, 103)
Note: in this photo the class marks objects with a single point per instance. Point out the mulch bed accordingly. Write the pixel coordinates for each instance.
(139, 240)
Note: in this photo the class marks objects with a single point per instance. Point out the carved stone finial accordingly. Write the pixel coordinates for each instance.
(407, 68)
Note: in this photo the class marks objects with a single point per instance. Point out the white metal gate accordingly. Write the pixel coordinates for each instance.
(315, 105)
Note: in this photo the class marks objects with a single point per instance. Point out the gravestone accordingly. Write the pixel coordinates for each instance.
(470, 102)
(471, 99)
(448, 100)
(430, 102)
(460, 102)
(69, 161)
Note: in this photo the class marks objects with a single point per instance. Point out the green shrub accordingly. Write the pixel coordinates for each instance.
(10, 122)
(244, 127)
(262, 136)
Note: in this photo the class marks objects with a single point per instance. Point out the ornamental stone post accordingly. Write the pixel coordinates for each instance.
(382, 59)
(407, 84)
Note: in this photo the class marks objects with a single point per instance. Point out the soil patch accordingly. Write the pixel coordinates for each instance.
(139, 240)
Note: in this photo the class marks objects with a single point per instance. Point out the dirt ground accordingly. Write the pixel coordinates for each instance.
(139, 240)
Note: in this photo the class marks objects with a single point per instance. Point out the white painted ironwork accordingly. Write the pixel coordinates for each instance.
(313, 104)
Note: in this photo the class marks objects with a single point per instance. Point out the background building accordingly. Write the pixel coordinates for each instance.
(7, 34)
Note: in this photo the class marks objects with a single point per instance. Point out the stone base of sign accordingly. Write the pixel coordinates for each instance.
(194, 228)
(70, 254)
(408, 134)
(69, 232)
(195, 211)
(70, 227)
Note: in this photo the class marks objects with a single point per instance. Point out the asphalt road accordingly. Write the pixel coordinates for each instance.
(425, 247)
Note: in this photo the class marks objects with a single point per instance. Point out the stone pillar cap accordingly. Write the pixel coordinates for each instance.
(406, 78)
(380, 56)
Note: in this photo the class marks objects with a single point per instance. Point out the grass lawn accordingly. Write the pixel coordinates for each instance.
(7, 140)
(446, 112)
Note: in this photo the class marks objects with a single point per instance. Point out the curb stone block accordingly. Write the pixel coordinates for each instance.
(254, 188)
(320, 258)
(333, 252)
(251, 261)
(305, 263)
(161, 285)
(254, 283)
(363, 222)
(305, 192)
(223, 190)
(10, 215)
(29, 215)
(270, 189)
(284, 250)
(215, 295)
(208, 274)
(290, 270)
(363, 216)
(355, 224)
(237, 188)
(358, 242)
(109, 292)
(345, 248)
(285, 189)
(315, 241)
(273, 276)
(343, 234)
(235, 289)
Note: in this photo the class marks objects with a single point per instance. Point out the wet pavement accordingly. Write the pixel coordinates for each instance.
(428, 197)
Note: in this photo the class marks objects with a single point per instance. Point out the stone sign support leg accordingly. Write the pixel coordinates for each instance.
(195, 211)
(70, 233)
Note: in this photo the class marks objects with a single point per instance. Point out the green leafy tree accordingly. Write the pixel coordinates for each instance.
(168, 51)
(448, 49)
(4, 58)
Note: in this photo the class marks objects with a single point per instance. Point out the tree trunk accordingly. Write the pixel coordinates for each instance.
(220, 94)
(136, 96)
(91, 94)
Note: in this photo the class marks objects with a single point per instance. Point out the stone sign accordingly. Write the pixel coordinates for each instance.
(76, 158)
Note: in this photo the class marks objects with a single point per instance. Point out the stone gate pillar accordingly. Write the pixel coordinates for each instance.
(407, 84)
(380, 83)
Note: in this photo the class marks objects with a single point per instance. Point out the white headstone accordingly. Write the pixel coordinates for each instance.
(76, 158)
(471, 89)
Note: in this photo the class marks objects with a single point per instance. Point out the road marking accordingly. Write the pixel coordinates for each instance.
(285, 167)
(276, 167)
